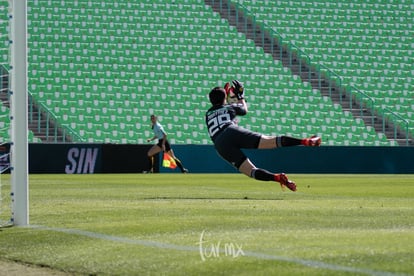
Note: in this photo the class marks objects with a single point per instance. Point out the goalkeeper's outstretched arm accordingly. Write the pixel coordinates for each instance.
(239, 92)
(243, 102)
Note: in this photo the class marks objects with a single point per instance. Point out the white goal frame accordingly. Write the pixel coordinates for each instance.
(19, 117)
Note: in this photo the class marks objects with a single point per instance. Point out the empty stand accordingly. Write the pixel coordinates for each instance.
(369, 44)
(104, 67)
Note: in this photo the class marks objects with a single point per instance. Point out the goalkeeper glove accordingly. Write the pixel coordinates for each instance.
(228, 88)
(238, 89)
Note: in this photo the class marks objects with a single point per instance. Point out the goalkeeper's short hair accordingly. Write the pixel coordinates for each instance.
(217, 95)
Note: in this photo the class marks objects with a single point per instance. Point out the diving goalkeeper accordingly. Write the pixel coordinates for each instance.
(229, 138)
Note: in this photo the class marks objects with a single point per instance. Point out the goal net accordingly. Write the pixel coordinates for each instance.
(10, 105)
(5, 187)
(5, 183)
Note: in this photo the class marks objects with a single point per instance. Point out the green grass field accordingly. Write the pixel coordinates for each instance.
(216, 224)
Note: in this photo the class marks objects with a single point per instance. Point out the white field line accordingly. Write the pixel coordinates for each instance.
(257, 255)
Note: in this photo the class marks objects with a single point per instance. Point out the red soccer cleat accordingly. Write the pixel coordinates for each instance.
(313, 141)
(285, 182)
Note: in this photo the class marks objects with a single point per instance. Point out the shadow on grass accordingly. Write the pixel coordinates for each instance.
(210, 198)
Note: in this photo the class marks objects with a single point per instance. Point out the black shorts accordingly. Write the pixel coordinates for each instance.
(167, 144)
(230, 142)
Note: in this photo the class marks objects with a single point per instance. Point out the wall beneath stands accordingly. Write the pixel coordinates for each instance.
(113, 158)
(392, 160)
(88, 158)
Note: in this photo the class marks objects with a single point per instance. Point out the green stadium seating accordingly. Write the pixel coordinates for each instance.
(370, 44)
(104, 67)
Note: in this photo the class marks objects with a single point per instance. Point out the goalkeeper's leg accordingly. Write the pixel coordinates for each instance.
(250, 170)
(270, 142)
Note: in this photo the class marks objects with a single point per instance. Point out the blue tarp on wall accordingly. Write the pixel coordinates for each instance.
(204, 159)
(113, 158)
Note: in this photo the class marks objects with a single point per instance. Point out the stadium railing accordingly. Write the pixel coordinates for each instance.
(388, 115)
(47, 123)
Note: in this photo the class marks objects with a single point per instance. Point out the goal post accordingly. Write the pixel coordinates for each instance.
(19, 117)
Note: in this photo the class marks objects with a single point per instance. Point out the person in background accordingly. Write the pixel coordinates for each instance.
(162, 145)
